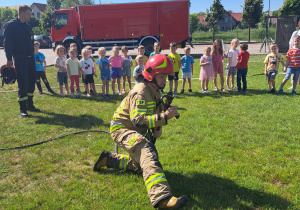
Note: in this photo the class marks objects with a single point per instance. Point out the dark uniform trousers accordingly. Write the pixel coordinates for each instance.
(143, 157)
(25, 67)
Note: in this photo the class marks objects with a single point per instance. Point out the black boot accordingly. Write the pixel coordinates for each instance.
(30, 106)
(23, 112)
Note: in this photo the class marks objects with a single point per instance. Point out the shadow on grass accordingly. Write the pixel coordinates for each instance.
(83, 121)
(206, 191)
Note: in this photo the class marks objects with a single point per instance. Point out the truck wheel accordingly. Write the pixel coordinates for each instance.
(148, 44)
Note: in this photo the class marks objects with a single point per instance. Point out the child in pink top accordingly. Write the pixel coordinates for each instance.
(217, 60)
(116, 62)
(206, 72)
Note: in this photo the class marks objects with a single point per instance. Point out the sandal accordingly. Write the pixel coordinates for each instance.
(222, 89)
(233, 88)
(216, 89)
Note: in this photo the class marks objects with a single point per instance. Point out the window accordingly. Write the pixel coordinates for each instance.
(38, 15)
(61, 19)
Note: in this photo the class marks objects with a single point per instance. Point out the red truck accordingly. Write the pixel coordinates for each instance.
(130, 24)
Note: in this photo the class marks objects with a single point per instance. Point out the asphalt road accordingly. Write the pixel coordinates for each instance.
(196, 51)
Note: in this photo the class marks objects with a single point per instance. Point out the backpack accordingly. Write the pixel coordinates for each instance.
(9, 75)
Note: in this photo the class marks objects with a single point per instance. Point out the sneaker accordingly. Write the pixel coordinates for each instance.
(190, 90)
(293, 92)
(170, 91)
(175, 92)
(67, 93)
(62, 94)
(79, 95)
(233, 88)
(115, 93)
(273, 90)
(88, 95)
(290, 88)
(120, 94)
(204, 91)
(123, 91)
(182, 91)
(207, 90)
(223, 90)
(280, 90)
(270, 91)
(216, 89)
(107, 95)
(72, 95)
(227, 88)
(104, 96)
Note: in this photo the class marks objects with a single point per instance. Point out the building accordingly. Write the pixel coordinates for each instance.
(37, 9)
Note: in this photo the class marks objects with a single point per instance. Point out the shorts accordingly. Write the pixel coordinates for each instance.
(271, 75)
(126, 72)
(186, 75)
(62, 78)
(105, 77)
(170, 77)
(89, 78)
(291, 71)
(116, 72)
(231, 71)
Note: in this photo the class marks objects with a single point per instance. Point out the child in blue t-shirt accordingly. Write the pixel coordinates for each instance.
(40, 67)
(103, 64)
(187, 63)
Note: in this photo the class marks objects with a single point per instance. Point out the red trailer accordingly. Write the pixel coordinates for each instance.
(130, 24)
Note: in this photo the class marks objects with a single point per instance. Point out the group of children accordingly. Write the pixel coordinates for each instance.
(116, 67)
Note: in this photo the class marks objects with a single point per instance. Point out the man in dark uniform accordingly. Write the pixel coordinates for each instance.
(19, 49)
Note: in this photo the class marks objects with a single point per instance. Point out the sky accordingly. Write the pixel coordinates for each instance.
(196, 5)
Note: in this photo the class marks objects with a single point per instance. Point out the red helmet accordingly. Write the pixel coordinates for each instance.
(157, 64)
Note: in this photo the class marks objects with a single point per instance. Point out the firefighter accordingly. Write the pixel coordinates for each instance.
(18, 46)
(141, 110)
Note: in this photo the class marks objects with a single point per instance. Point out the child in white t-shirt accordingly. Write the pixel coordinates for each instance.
(232, 61)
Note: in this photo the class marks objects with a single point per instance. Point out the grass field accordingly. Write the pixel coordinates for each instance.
(226, 151)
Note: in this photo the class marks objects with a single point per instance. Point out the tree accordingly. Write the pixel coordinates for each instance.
(201, 13)
(194, 23)
(229, 11)
(46, 21)
(214, 15)
(54, 4)
(87, 2)
(252, 12)
(7, 14)
(66, 4)
(290, 7)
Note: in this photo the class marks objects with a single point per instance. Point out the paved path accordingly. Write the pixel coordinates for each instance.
(196, 52)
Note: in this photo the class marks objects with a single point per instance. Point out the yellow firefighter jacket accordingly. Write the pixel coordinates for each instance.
(138, 110)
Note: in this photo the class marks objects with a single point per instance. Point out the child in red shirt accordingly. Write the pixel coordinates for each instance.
(242, 68)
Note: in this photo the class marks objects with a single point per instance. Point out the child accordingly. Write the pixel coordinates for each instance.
(73, 72)
(187, 68)
(40, 67)
(217, 60)
(116, 63)
(137, 72)
(156, 48)
(176, 59)
(271, 66)
(206, 72)
(232, 61)
(93, 59)
(292, 64)
(141, 51)
(242, 68)
(60, 64)
(87, 67)
(126, 72)
(73, 46)
(105, 71)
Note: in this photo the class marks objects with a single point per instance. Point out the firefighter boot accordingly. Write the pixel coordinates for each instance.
(30, 106)
(101, 161)
(173, 202)
(23, 111)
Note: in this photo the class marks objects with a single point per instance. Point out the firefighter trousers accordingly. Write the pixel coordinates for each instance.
(25, 67)
(142, 155)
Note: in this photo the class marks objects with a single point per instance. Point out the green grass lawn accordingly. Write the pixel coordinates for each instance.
(226, 151)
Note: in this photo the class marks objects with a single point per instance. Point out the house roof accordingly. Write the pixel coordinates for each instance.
(202, 19)
(41, 7)
(237, 16)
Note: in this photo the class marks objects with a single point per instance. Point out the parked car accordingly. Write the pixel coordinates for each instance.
(1, 40)
(44, 40)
